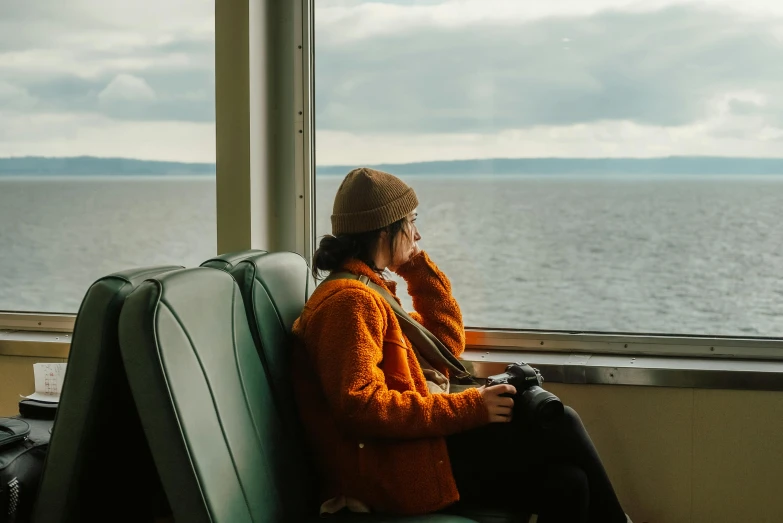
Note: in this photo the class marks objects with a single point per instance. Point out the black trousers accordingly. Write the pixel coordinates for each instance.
(555, 473)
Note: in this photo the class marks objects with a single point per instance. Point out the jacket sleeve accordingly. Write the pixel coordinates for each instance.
(435, 307)
(345, 338)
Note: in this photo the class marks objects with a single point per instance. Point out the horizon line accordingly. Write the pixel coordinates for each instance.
(587, 158)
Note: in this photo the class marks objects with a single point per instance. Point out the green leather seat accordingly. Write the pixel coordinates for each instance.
(289, 271)
(274, 288)
(98, 463)
(205, 402)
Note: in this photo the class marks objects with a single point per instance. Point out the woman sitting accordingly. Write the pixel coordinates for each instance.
(387, 435)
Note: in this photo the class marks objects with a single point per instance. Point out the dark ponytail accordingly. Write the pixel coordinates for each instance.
(334, 251)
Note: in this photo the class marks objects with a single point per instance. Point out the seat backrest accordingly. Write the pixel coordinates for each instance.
(98, 462)
(227, 261)
(206, 404)
(275, 287)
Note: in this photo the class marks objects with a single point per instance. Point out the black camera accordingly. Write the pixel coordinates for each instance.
(531, 402)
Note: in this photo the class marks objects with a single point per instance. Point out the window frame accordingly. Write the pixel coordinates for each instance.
(303, 118)
(36, 321)
(663, 345)
(244, 34)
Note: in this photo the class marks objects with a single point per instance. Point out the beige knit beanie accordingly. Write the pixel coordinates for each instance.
(368, 200)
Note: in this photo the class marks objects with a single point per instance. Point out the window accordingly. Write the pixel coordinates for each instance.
(581, 166)
(106, 143)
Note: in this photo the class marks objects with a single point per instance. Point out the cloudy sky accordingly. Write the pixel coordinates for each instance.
(409, 80)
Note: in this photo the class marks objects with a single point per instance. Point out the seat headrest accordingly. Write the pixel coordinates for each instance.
(227, 261)
(284, 279)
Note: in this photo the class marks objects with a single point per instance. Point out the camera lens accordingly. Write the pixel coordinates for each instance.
(543, 407)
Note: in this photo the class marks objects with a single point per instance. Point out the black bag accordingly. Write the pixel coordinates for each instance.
(37, 409)
(23, 444)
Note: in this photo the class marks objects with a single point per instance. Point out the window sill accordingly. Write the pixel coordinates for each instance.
(625, 343)
(34, 344)
(654, 371)
(36, 321)
(557, 366)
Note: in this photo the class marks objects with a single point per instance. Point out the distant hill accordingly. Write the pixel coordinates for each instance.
(689, 165)
(666, 165)
(89, 165)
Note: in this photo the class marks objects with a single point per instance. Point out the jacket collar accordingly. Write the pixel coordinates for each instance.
(360, 268)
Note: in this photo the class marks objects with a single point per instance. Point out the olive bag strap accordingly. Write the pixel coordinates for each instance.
(427, 346)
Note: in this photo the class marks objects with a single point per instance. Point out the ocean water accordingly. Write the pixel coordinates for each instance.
(664, 254)
(58, 235)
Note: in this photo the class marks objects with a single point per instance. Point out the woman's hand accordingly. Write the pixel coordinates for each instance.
(500, 408)
(415, 249)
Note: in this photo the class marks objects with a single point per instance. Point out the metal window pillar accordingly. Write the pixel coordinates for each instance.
(263, 114)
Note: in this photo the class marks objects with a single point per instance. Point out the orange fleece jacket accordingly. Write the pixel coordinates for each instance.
(376, 431)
